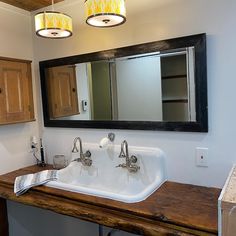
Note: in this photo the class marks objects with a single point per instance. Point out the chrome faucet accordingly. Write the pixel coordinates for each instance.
(130, 162)
(85, 158)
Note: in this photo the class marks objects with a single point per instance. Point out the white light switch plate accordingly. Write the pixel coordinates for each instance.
(202, 157)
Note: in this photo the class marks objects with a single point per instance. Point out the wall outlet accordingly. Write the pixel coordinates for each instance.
(202, 157)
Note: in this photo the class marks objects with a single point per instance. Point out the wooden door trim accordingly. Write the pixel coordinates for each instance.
(15, 60)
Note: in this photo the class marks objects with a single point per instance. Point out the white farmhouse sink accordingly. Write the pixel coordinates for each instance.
(103, 179)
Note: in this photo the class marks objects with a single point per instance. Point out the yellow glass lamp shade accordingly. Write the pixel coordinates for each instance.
(51, 24)
(105, 13)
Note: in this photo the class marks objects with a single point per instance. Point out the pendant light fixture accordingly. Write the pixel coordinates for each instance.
(105, 13)
(52, 24)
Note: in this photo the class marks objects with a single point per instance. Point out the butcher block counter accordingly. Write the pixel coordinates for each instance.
(173, 209)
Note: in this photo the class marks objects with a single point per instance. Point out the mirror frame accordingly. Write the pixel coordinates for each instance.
(197, 41)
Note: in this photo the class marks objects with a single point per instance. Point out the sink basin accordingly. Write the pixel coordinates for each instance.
(103, 179)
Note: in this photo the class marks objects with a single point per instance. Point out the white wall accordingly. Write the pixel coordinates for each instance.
(159, 20)
(16, 42)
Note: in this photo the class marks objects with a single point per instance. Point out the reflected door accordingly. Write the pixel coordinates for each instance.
(62, 94)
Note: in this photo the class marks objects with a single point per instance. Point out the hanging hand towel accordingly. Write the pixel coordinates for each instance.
(25, 182)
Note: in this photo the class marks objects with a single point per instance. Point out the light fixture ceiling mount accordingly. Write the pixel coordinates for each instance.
(105, 13)
(52, 24)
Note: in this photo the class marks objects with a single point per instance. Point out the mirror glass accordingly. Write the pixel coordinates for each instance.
(146, 87)
(158, 86)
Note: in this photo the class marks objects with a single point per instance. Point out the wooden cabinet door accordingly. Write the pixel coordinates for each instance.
(62, 91)
(16, 92)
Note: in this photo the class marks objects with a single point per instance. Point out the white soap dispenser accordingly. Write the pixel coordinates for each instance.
(107, 140)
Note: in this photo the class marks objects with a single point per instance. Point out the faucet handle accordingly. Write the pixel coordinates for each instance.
(87, 153)
(133, 159)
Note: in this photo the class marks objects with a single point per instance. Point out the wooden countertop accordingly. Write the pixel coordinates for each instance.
(174, 209)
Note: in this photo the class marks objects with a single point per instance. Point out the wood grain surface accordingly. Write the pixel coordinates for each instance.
(30, 5)
(174, 209)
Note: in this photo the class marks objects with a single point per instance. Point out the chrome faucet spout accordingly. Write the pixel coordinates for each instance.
(85, 158)
(129, 161)
(125, 144)
(124, 149)
(75, 149)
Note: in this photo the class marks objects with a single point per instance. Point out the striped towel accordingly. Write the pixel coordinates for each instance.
(25, 182)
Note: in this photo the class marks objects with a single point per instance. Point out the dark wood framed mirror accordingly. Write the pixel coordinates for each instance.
(152, 86)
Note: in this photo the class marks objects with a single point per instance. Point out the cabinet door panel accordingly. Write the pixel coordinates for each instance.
(13, 89)
(62, 84)
(15, 99)
(65, 97)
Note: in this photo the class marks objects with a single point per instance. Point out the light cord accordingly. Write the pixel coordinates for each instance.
(52, 5)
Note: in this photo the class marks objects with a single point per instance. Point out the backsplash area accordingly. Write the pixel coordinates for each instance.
(180, 161)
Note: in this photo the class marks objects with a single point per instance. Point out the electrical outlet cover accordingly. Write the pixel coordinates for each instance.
(202, 157)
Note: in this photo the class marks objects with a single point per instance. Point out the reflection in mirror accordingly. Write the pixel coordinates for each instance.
(157, 86)
(62, 92)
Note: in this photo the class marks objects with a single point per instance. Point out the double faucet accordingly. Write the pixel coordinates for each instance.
(130, 161)
(85, 158)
